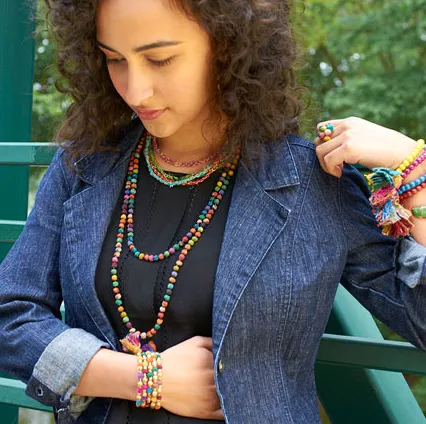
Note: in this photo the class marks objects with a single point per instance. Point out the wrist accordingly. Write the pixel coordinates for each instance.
(405, 150)
(130, 376)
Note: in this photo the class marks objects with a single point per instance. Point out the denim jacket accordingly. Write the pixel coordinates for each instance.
(293, 233)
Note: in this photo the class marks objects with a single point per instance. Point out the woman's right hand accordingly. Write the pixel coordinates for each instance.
(188, 380)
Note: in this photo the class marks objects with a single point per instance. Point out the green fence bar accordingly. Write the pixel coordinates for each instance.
(26, 153)
(368, 353)
(10, 230)
(12, 392)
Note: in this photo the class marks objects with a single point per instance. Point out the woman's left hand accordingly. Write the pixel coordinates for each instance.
(355, 140)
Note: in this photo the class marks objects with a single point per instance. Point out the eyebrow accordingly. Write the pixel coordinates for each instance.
(145, 47)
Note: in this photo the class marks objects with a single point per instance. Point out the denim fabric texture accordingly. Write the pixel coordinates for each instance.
(293, 234)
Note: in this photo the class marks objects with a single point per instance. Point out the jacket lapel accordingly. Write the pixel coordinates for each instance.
(85, 233)
(256, 218)
(103, 176)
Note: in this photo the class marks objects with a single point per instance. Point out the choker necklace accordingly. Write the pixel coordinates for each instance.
(171, 180)
(136, 341)
(179, 164)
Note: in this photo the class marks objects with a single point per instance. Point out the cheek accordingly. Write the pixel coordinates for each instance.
(189, 86)
(118, 81)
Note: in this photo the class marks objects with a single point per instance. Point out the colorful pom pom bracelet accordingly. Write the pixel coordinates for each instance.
(387, 193)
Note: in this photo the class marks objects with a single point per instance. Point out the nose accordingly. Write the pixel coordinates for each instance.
(140, 87)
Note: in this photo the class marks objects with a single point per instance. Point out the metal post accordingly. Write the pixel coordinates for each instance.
(16, 85)
(16, 81)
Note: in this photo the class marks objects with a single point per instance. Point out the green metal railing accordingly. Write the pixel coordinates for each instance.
(336, 350)
(27, 153)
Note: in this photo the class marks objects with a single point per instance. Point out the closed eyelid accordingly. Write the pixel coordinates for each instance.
(151, 46)
(151, 56)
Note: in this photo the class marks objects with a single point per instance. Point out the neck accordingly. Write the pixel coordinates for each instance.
(190, 144)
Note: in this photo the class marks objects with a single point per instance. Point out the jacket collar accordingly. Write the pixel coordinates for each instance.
(273, 168)
(93, 167)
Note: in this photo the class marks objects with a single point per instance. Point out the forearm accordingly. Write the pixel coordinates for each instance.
(419, 199)
(109, 374)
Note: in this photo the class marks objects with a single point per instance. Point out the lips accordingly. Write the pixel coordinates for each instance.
(149, 114)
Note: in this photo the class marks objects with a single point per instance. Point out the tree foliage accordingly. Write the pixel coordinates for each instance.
(48, 104)
(365, 58)
(368, 59)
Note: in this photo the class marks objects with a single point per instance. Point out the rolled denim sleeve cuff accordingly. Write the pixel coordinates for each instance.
(411, 262)
(60, 368)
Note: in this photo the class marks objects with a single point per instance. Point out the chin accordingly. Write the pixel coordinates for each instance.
(159, 129)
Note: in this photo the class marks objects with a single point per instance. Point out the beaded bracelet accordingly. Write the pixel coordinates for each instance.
(416, 163)
(140, 383)
(412, 191)
(419, 212)
(420, 144)
(414, 184)
(150, 377)
(155, 378)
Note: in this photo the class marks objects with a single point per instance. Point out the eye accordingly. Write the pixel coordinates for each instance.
(161, 63)
(111, 61)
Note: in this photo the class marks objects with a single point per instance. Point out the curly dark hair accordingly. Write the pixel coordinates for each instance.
(254, 58)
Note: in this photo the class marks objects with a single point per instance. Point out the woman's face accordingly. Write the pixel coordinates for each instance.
(157, 59)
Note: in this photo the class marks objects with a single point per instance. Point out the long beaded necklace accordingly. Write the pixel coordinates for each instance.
(136, 341)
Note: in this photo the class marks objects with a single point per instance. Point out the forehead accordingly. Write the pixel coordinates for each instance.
(133, 21)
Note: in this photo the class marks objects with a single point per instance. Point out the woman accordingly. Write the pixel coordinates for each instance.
(166, 93)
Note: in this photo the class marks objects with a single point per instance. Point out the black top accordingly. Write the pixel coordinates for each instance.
(162, 216)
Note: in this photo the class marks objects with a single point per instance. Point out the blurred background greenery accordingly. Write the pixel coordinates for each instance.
(365, 58)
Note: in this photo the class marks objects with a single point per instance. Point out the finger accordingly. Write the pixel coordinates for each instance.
(206, 342)
(217, 415)
(335, 160)
(325, 148)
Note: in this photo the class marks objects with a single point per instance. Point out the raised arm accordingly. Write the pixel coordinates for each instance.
(356, 140)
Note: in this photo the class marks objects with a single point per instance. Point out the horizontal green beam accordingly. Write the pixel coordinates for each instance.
(27, 153)
(10, 230)
(42, 154)
(336, 350)
(12, 392)
(370, 353)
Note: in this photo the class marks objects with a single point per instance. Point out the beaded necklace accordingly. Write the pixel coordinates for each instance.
(170, 180)
(176, 163)
(136, 341)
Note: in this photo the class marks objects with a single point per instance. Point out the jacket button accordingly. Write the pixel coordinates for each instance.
(221, 366)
